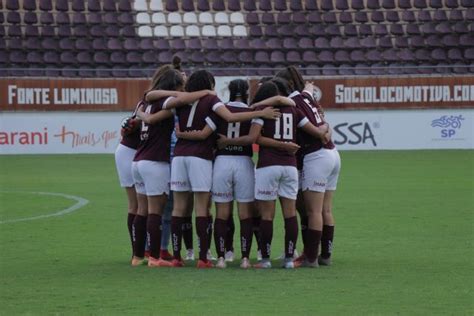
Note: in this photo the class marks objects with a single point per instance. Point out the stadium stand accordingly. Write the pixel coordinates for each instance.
(329, 37)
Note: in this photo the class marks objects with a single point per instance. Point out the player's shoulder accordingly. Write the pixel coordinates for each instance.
(238, 107)
(210, 98)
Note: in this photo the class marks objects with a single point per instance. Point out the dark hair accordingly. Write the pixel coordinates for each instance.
(200, 80)
(267, 90)
(157, 76)
(238, 88)
(264, 79)
(282, 85)
(176, 62)
(294, 78)
(170, 80)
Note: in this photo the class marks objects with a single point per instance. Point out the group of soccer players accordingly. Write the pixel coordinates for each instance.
(297, 164)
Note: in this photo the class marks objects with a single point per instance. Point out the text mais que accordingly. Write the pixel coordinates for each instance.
(404, 94)
(18, 95)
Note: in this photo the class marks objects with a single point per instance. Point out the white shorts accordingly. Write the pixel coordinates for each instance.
(151, 177)
(233, 178)
(274, 181)
(191, 174)
(123, 161)
(321, 170)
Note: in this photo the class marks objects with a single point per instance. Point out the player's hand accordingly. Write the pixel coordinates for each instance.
(271, 113)
(327, 137)
(290, 147)
(221, 141)
(211, 92)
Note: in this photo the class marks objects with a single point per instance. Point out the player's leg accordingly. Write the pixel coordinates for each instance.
(328, 217)
(156, 204)
(139, 221)
(303, 223)
(188, 229)
(166, 228)
(132, 210)
(288, 191)
(229, 238)
(200, 176)
(223, 211)
(246, 231)
(181, 191)
(314, 209)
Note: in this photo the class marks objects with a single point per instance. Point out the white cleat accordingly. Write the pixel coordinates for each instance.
(264, 264)
(288, 263)
(221, 263)
(189, 255)
(210, 256)
(245, 263)
(229, 256)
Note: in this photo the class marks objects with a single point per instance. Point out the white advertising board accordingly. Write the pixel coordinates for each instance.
(76, 132)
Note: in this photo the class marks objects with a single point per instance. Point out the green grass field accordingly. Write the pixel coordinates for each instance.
(403, 245)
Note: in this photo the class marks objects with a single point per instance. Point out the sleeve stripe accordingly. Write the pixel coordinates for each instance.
(217, 105)
(211, 124)
(303, 122)
(166, 102)
(257, 121)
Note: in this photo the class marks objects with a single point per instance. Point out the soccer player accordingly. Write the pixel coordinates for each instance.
(151, 170)
(191, 170)
(320, 171)
(126, 151)
(276, 175)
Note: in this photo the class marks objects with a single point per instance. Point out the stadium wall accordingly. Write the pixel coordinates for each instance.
(98, 132)
(46, 116)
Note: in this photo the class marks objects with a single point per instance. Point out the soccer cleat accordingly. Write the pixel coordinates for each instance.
(264, 264)
(153, 262)
(165, 255)
(245, 263)
(308, 264)
(137, 261)
(189, 255)
(229, 256)
(175, 263)
(210, 256)
(259, 255)
(204, 264)
(288, 263)
(324, 261)
(300, 258)
(221, 263)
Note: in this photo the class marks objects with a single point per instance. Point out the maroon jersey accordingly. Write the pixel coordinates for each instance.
(132, 140)
(234, 130)
(155, 138)
(309, 143)
(194, 117)
(282, 129)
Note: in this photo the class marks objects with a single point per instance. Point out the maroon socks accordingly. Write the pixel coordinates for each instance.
(139, 235)
(246, 231)
(202, 226)
(326, 241)
(304, 230)
(176, 235)
(130, 218)
(220, 231)
(153, 229)
(229, 238)
(313, 238)
(188, 231)
(209, 231)
(291, 235)
(256, 229)
(266, 236)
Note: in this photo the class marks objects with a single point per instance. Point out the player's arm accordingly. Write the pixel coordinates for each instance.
(268, 113)
(285, 146)
(180, 98)
(155, 117)
(317, 132)
(249, 139)
(276, 100)
(195, 135)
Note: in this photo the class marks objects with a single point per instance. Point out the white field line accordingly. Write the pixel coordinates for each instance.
(80, 202)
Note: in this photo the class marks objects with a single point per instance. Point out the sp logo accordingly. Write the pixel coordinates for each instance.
(448, 125)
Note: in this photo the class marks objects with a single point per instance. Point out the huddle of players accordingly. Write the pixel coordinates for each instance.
(214, 154)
